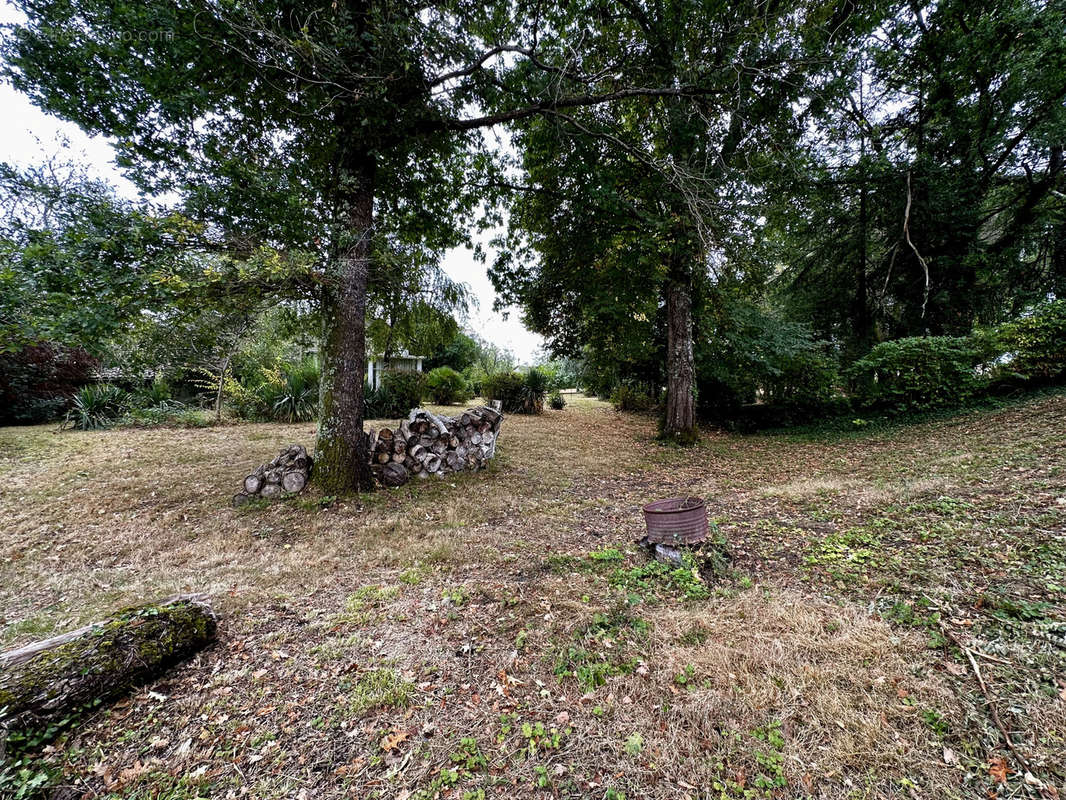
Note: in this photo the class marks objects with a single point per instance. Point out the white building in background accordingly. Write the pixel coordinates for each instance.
(403, 361)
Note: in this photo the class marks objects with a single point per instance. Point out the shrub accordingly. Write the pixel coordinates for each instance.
(168, 412)
(505, 387)
(916, 374)
(803, 381)
(556, 401)
(517, 393)
(295, 397)
(1034, 346)
(534, 387)
(151, 396)
(447, 386)
(400, 391)
(626, 397)
(98, 405)
(38, 382)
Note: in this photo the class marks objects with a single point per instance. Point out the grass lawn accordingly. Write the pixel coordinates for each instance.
(893, 600)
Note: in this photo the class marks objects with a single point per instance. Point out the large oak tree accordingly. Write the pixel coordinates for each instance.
(316, 127)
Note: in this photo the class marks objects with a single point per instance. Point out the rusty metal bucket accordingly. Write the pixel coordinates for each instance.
(676, 520)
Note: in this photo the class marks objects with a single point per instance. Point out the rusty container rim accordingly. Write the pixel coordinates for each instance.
(674, 505)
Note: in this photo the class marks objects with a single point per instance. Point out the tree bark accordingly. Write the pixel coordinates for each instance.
(680, 422)
(53, 679)
(341, 460)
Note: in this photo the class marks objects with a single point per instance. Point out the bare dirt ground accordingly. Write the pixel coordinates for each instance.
(892, 622)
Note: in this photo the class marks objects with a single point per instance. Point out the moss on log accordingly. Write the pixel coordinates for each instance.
(50, 681)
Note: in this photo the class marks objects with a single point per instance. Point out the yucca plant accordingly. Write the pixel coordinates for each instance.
(96, 406)
(534, 387)
(295, 399)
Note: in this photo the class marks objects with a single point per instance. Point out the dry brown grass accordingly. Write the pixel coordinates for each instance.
(475, 564)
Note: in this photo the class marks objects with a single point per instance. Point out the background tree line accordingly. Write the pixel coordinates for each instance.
(707, 204)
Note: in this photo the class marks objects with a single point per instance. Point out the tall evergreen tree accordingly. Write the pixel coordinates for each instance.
(932, 185)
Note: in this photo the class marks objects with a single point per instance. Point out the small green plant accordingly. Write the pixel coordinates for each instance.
(607, 554)
(602, 649)
(541, 779)
(633, 744)
(358, 606)
(96, 406)
(469, 756)
(647, 581)
(556, 401)
(538, 737)
(456, 596)
(379, 688)
(686, 676)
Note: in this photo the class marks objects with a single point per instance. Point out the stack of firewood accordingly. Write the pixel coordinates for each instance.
(286, 474)
(427, 444)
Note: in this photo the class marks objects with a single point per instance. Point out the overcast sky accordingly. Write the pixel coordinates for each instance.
(27, 135)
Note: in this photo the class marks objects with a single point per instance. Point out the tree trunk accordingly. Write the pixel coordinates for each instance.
(680, 422)
(341, 461)
(221, 384)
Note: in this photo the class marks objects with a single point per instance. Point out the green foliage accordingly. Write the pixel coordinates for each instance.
(803, 379)
(556, 401)
(446, 386)
(534, 387)
(505, 387)
(96, 406)
(155, 394)
(961, 133)
(589, 661)
(562, 373)
(654, 578)
(628, 397)
(378, 688)
(518, 394)
(1034, 346)
(916, 374)
(287, 393)
(461, 353)
(295, 397)
(400, 391)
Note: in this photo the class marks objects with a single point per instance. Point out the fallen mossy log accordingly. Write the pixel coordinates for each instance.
(48, 682)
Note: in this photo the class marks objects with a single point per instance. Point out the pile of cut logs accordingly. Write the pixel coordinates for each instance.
(427, 444)
(286, 474)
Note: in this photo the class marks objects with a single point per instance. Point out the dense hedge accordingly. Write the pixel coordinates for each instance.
(629, 397)
(446, 386)
(1034, 346)
(517, 393)
(916, 374)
